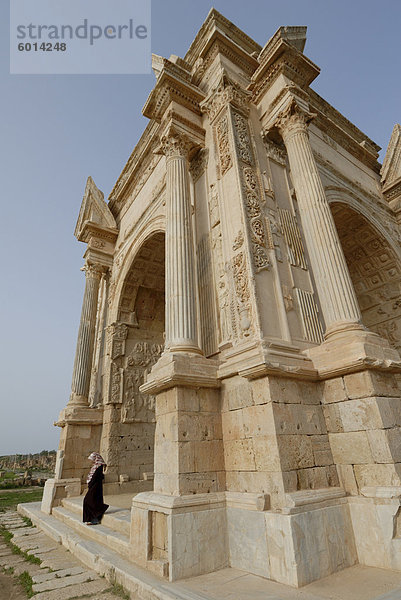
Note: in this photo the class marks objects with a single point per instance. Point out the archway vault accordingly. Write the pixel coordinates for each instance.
(140, 331)
(375, 271)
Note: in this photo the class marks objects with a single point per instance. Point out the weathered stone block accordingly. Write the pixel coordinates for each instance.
(295, 452)
(334, 391)
(333, 418)
(317, 477)
(298, 419)
(233, 425)
(371, 383)
(258, 420)
(350, 448)
(385, 445)
(378, 474)
(266, 453)
(321, 450)
(347, 479)
(239, 455)
(260, 391)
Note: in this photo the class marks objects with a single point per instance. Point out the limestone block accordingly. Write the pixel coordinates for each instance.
(209, 400)
(209, 455)
(295, 452)
(186, 457)
(236, 393)
(293, 391)
(347, 479)
(280, 548)
(233, 425)
(239, 455)
(201, 483)
(139, 531)
(298, 419)
(247, 541)
(266, 453)
(321, 450)
(262, 482)
(333, 419)
(334, 391)
(377, 474)
(350, 448)
(260, 391)
(198, 543)
(317, 477)
(360, 414)
(390, 411)
(371, 383)
(258, 420)
(385, 445)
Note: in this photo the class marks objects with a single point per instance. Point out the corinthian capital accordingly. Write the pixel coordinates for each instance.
(176, 144)
(93, 271)
(293, 119)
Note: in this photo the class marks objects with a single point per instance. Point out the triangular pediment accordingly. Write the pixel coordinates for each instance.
(93, 210)
(391, 169)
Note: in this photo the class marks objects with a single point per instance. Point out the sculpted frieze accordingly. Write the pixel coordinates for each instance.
(223, 144)
(139, 407)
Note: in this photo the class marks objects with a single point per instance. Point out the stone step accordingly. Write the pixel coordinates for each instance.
(100, 533)
(105, 561)
(117, 519)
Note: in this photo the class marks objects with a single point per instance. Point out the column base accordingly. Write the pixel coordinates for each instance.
(78, 400)
(179, 536)
(185, 369)
(186, 536)
(348, 348)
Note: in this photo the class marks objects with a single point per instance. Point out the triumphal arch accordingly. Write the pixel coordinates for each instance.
(237, 362)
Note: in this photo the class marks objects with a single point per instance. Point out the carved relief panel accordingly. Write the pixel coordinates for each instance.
(139, 407)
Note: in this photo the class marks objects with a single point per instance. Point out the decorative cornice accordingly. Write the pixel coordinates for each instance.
(217, 26)
(391, 169)
(282, 57)
(173, 85)
(133, 172)
(331, 122)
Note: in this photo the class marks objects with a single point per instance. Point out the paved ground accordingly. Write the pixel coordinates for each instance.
(60, 576)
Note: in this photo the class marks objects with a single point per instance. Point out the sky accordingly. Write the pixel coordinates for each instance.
(58, 129)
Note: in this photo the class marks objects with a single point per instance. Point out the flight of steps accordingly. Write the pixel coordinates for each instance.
(113, 532)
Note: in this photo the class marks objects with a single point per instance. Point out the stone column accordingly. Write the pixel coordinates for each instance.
(336, 292)
(86, 338)
(181, 314)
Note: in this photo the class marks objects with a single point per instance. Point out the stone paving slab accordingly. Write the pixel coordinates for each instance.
(11, 560)
(53, 575)
(75, 591)
(31, 568)
(62, 582)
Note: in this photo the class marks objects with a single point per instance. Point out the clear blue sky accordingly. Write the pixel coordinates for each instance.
(57, 130)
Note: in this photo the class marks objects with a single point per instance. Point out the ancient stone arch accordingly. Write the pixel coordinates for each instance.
(375, 270)
(136, 340)
(263, 415)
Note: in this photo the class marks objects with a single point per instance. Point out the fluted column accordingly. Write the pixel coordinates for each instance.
(181, 314)
(336, 292)
(86, 337)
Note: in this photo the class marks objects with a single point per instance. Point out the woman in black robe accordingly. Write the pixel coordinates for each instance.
(93, 506)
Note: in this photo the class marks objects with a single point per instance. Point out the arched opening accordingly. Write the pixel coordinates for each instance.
(141, 320)
(375, 272)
